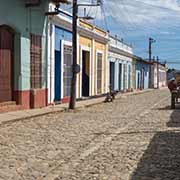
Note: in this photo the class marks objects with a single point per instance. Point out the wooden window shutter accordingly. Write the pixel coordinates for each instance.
(99, 73)
(36, 61)
(67, 74)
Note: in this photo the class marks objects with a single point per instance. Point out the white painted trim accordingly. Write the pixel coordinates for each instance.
(62, 69)
(51, 63)
(67, 43)
(78, 75)
(107, 69)
(101, 52)
(93, 68)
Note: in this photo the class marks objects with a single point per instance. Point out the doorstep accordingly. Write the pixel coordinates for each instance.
(10, 117)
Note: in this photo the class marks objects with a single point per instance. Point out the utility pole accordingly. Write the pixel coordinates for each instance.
(151, 40)
(157, 72)
(74, 65)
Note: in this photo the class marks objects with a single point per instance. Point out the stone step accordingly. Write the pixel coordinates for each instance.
(8, 107)
(8, 103)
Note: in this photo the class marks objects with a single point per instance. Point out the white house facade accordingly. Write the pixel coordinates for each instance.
(120, 57)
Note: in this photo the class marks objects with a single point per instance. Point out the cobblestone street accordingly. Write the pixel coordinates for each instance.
(133, 138)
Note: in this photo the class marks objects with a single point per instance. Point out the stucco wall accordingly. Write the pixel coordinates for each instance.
(25, 21)
(162, 76)
(139, 67)
(57, 37)
(93, 47)
(125, 61)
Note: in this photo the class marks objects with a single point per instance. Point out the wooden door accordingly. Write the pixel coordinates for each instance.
(6, 54)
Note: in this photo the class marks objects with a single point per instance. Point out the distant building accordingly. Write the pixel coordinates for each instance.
(120, 57)
(142, 68)
(173, 73)
(159, 75)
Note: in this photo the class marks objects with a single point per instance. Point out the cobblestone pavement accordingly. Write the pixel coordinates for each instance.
(133, 138)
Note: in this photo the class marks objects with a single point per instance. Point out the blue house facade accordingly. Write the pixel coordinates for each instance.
(59, 60)
(142, 74)
(62, 39)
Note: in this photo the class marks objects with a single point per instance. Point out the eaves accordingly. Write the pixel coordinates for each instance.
(120, 52)
(67, 24)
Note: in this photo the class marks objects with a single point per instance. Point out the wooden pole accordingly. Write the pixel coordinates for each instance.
(72, 103)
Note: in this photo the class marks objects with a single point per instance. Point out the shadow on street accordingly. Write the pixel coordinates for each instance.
(161, 160)
(175, 118)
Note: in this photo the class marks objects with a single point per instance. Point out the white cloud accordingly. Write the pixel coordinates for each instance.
(142, 11)
(138, 15)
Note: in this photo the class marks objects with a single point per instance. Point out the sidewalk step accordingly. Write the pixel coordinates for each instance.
(8, 103)
(7, 107)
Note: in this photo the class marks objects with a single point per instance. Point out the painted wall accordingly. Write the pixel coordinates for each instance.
(126, 64)
(100, 48)
(117, 59)
(162, 76)
(141, 66)
(134, 74)
(115, 42)
(58, 37)
(91, 44)
(24, 21)
(93, 47)
(89, 38)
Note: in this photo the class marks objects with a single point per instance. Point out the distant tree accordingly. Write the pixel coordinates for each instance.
(170, 70)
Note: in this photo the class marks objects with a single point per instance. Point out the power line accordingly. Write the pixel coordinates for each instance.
(104, 16)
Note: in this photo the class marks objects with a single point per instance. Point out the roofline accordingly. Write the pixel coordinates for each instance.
(111, 36)
(84, 21)
(141, 59)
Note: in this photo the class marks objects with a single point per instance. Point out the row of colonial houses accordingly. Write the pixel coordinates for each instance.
(36, 58)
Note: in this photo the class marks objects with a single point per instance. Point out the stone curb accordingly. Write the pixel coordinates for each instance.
(63, 109)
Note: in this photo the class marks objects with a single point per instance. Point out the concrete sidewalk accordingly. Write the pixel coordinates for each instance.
(25, 114)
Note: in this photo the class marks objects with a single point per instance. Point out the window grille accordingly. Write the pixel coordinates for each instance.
(67, 74)
(99, 73)
(129, 77)
(125, 76)
(36, 61)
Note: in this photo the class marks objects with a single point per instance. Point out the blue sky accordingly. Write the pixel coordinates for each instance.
(137, 20)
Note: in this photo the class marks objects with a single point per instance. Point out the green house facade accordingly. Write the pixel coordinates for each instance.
(23, 52)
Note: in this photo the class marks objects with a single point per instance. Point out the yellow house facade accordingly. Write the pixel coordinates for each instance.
(92, 58)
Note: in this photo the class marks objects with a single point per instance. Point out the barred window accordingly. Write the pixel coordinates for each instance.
(124, 76)
(99, 73)
(67, 74)
(129, 76)
(36, 61)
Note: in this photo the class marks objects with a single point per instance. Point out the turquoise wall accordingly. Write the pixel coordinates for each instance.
(25, 21)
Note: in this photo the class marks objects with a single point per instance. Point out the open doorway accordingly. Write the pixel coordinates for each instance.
(120, 76)
(85, 73)
(142, 78)
(112, 74)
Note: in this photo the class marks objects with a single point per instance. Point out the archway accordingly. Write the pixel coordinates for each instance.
(6, 63)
